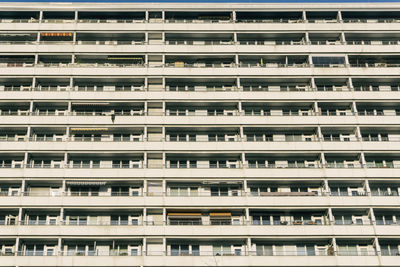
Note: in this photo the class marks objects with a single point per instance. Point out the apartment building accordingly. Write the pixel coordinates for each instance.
(199, 135)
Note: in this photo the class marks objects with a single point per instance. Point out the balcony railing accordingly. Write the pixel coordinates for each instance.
(197, 166)
(110, 138)
(236, 253)
(357, 253)
(191, 89)
(199, 194)
(212, 222)
(351, 222)
(229, 113)
(204, 20)
(362, 20)
(204, 42)
(240, 193)
(196, 65)
(291, 222)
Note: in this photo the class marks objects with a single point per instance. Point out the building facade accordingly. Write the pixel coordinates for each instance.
(199, 135)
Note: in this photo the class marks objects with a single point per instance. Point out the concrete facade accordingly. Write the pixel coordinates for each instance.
(192, 135)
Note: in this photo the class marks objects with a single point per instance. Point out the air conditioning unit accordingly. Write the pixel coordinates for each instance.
(230, 138)
(58, 138)
(232, 164)
(281, 163)
(109, 88)
(17, 163)
(20, 137)
(135, 164)
(198, 42)
(137, 88)
(56, 164)
(345, 137)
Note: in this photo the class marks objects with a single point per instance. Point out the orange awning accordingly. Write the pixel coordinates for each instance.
(183, 215)
(56, 34)
(220, 214)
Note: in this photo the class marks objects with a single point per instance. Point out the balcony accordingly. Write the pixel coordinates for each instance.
(372, 61)
(197, 17)
(288, 217)
(111, 17)
(279, 135)
(332, 85)
(201, 109)
(198, 39)
(277, 109)
(347, 188)
(126, 161)
(386, 188)
(325, 39)
(199, 61)
(268, 17)
(338, 161)
(214, 161)
(19, 17)
(110, 61)
(17, 38)
(271, 39)
(270, 61)
(353, 217)
(356, 247)
(322, 16)
(374, 160)
(378, 109)
(288, 248)
(335, 109)
(275, 85)
(370, 17)
(200, 85)
(107, 109)
(277, 161)
(371, 39)
(110, 39)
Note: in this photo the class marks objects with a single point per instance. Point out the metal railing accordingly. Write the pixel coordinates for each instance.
(237, 253)
(169, 113)
(196, 253)
(198, 65)
(236, 139)
(238, 165)
(239, 193)
(204, 42)
(205, 20)
(191, 89)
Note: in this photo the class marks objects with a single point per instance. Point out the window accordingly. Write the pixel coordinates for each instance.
(220, 250)
(264, 250)
(328, 61)
(343, 219)
(347, 250)
(261, 220)
(219, 191)
(134, 252)
(185, 250)
(78, 220)
(120, 191)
